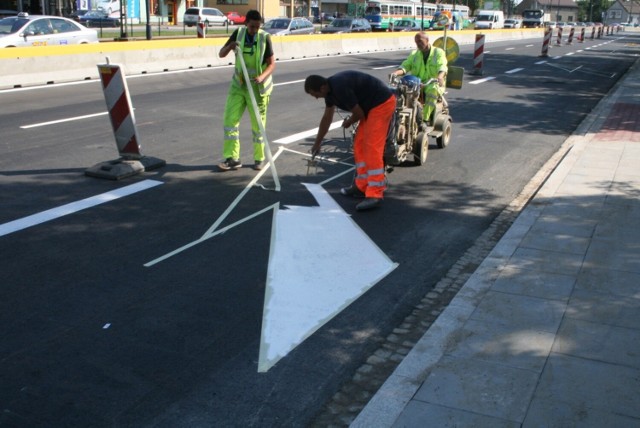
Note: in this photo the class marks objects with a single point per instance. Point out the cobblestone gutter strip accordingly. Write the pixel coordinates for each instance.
(346, 404)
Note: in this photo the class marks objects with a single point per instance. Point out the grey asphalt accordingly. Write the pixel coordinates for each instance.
(546, 332)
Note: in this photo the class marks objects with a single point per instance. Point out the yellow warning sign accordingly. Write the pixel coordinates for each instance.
(452, 49)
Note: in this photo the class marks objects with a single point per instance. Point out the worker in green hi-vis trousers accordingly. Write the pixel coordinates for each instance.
(256, 49)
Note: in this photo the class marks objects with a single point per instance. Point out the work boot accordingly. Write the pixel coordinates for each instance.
(258, 165)
(352, 191)
(369, 204)
(229, 164)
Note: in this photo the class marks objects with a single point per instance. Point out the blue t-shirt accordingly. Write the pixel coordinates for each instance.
(348, 88)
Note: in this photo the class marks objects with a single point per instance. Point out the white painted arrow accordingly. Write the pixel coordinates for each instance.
(320, 262)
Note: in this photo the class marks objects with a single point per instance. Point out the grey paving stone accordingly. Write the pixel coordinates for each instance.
(534, 283)
(584, 384)
(557, 414)
(600, 342)
(614, 253)
(520, 312)
(476, 386)
(563, 225)
(610, 309)
(556, 242)
(611, 281)
(521, 348)
(546, 261)
(419, 414)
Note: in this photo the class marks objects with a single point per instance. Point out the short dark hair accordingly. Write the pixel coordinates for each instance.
(253, 15)
(314, 83)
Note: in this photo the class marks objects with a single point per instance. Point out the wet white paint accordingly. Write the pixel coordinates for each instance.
(320, 262)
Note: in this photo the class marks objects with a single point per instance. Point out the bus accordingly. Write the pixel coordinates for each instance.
(380, 13)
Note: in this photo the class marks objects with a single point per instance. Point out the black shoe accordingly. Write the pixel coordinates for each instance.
(230, 163)
(258, 165)
(369, 204)
(352, 191)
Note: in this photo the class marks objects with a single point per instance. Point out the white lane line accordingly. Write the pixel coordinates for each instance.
(540, 62)
(300, 135)
(509, 49)
(528, 46)
(515, 70)
(73, 207)
(70, 119)
(385, 67)
(88, 116)
(486, 79)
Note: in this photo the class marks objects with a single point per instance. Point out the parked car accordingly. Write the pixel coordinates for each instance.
(512, 23)
(550, 24)
(42, 30)
(76, 14)
(285, 26)
(5, 12)
(347, 25)
(210, 15)
(98, 18)
(406, 25)
(235, 18)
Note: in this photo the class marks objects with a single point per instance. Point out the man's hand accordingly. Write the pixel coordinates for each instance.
(315, 149)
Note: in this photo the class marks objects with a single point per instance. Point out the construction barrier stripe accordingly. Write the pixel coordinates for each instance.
(120, 112)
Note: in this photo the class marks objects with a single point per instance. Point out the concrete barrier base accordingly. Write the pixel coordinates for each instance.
(122, 168)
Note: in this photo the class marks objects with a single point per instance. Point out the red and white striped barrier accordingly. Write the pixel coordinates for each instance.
(559, 40)
(478, 55)
(570, 40)
(593, 32)
(202, 30)
(116, 95)
(545, 42)
(581, 38)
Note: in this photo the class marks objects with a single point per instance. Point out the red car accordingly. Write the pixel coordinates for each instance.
(235, 18)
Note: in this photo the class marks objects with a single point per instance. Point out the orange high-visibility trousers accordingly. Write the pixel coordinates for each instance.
(368, 149)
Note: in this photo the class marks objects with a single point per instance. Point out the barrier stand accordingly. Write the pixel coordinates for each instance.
(593, 32)
(599, 32)
(570, 40)
(202, 30)
(545, 42)
(131, 161)
(478, 55)
(581, 38)
(559, 40)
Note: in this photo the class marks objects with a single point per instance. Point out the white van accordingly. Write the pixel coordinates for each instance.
(489, 19)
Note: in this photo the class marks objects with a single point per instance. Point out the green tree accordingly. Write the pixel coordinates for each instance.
(592, 10)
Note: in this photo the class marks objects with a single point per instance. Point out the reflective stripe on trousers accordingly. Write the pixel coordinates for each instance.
(368, 149)
(238, 100)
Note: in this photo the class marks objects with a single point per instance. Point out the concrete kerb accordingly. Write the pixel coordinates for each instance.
(21, 67)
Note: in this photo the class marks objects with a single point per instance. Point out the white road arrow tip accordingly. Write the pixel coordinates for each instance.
(320, 262)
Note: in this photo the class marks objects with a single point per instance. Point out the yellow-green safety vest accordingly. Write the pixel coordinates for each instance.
(253, 62)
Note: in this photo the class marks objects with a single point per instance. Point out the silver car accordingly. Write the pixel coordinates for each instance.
(42, 30)
(347, 25)
(285, 26)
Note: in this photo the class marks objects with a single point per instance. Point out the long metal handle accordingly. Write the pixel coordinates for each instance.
(270, 163)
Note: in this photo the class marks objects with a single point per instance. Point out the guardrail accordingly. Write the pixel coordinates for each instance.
(20, 67)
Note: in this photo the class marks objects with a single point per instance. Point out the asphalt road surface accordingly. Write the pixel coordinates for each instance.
(94, 335)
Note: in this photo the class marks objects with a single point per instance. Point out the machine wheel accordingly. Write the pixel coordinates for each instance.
(421, 148)
(443, 124)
